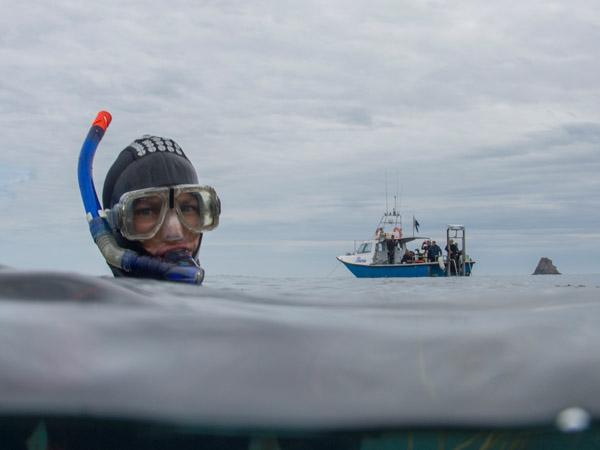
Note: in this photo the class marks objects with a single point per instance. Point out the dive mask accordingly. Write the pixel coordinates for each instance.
(139, 214)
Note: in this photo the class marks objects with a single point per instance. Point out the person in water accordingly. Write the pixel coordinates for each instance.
(155, 205)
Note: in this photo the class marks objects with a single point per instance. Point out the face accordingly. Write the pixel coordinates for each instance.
(172, 235)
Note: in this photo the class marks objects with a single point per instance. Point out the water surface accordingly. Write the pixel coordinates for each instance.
(298, 353)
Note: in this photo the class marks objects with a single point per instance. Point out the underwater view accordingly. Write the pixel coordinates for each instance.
(267, 363)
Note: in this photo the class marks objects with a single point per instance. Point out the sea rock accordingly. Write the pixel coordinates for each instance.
(545, 267)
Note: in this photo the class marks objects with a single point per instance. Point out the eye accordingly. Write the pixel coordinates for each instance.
(145, 212)
(188, 204)
(146, 208)
(188, 208)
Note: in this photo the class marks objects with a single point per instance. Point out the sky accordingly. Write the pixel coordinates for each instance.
(485, 114)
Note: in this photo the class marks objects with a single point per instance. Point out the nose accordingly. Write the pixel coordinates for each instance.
(171, 230)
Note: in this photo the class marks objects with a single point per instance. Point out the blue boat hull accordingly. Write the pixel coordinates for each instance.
(400, 270)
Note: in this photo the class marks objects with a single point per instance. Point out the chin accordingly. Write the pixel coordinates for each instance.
(159, 248)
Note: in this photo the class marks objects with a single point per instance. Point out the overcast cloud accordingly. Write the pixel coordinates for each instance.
(487, 114)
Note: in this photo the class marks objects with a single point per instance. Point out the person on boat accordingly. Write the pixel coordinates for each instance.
(425, 246)
(408, 257)
(452, 250)
(453, 254)
(156, 206)
(417, 253)
(391, 248)
(434, 252)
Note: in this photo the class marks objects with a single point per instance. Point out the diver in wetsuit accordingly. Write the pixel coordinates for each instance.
(155, 205)
(434, 252)
(391, 249)
(453, 255)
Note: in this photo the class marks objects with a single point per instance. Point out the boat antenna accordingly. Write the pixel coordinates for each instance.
(386, 193)
(401, 191)
(396, 196)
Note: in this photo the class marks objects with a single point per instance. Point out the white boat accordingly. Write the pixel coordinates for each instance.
(384, 254)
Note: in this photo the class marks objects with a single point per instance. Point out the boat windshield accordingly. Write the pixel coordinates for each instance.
(365, 247)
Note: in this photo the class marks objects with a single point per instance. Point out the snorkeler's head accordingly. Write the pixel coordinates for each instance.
(159, 218)
(150, 161)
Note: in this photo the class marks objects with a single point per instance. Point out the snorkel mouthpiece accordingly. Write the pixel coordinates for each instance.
(184, 265)
(153, 267)
(175, 267)
(180, 257)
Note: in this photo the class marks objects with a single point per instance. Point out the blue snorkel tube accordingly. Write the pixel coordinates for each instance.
(116, 256)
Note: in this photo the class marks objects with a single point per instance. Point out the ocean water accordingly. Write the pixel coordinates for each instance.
(294, 358)
(347, 288)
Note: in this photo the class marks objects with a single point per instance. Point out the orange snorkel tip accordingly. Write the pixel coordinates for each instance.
(102, 120)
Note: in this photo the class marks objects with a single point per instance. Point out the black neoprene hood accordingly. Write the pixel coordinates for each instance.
(150, 161)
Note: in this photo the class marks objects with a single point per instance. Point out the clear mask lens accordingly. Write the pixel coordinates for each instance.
(198, 210)
(140, 214)
(147, 214)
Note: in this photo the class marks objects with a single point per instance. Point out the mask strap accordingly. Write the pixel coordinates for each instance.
(171, 198)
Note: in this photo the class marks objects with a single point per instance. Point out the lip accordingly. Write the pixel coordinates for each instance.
(164, 250)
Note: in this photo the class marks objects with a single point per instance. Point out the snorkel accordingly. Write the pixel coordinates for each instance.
(186, 270)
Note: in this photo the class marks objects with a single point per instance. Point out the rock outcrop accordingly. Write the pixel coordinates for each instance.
(545, 267)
